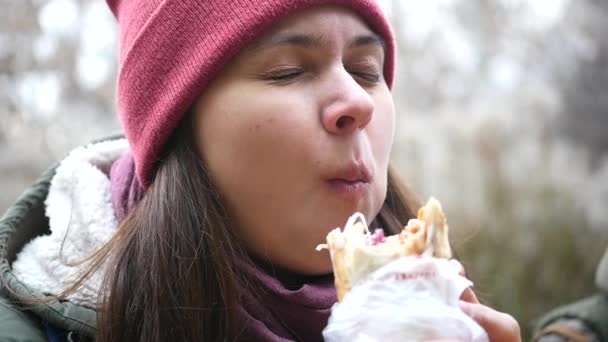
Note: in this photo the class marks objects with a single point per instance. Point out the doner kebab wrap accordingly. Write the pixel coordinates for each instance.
(401, 287)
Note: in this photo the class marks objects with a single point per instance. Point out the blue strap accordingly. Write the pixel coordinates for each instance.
(54, 334)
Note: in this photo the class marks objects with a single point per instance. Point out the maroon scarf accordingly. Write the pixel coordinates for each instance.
(291, 308)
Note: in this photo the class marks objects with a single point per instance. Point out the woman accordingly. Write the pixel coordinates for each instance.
(253, 128)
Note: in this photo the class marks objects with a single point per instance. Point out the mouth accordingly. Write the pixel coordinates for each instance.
(352, 181)
(348, 188)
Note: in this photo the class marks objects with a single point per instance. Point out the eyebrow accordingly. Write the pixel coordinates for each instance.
(370, 39)
(307, 41)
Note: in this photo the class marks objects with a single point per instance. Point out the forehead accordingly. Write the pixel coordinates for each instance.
(317, 25)
(322, 17)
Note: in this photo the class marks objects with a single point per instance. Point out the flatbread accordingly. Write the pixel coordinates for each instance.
(356, 252)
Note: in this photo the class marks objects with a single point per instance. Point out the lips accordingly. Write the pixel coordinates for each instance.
(350, 181)
(355, 172)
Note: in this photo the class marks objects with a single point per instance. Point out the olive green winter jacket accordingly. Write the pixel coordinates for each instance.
(21, 321)
(25, 322)
(581, 319)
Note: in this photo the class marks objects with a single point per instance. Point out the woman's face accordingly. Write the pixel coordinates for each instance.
(297, 131)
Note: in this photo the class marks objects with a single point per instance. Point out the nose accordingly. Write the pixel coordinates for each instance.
(349, 106)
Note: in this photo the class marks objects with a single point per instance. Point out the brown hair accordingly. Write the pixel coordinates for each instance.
(170, 269)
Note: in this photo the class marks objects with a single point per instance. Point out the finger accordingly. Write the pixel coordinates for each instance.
(499, 326)
(469, 296)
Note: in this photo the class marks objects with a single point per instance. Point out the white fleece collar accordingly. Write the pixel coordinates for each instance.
(81, 220)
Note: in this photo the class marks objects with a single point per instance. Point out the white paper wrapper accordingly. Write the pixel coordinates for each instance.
(409, 299)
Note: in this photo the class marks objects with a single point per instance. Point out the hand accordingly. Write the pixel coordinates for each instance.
(500, 326)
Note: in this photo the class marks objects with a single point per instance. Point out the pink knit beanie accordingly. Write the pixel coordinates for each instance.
(171, 49)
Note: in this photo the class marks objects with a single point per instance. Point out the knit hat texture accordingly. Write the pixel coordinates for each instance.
(171, 49)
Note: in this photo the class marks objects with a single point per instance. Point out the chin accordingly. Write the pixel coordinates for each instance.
(323, 267)
(313, 265)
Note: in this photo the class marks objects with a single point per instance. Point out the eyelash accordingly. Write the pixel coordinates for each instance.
(282, 75)
(366, 72)
(286, 75)
(367, 76)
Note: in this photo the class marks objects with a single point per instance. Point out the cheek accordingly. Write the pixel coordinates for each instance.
(231, 130)
(382, 131)
(222, 132)
(245, 141)
(381, 134)
(244, 144)
(254, 149)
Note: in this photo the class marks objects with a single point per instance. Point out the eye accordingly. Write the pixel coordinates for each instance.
(365, 71)
(282, 74)
(367, 76)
